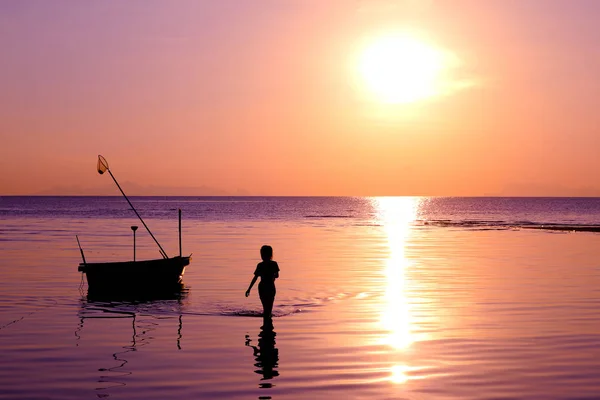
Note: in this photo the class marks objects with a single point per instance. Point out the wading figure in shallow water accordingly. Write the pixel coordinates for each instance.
(268, 270)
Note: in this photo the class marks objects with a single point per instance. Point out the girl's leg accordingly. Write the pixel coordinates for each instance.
(267, 298)
(268, 305)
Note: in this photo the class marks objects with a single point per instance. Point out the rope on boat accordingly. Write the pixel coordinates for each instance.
(54, 302)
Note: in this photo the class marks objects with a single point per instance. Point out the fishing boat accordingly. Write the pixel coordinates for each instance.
(161, 274)
(135, 275)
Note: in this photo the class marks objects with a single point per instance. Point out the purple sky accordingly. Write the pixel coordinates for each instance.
(255, 97)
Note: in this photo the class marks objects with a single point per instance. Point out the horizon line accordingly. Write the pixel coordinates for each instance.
(302, 195)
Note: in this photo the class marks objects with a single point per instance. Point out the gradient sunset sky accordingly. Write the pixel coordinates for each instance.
(264, 98)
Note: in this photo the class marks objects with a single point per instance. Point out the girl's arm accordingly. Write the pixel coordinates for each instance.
(251, 284)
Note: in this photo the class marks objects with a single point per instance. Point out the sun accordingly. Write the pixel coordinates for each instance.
(397, 68)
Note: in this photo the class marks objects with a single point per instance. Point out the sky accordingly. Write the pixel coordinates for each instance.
(267, 98)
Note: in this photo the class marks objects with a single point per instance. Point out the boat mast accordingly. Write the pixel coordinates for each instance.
(102, 167)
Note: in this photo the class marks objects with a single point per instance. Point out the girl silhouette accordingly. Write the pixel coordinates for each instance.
(268, 270)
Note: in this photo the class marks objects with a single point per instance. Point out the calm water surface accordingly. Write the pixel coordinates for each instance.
(385, 298)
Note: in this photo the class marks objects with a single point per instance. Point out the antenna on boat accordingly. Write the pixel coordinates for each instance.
(134, 228)
(102, 168)
(180, 232)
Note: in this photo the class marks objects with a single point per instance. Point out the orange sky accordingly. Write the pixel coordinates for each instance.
(260, 97)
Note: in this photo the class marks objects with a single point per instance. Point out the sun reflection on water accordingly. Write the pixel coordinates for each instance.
(396, 215)
(398, 374)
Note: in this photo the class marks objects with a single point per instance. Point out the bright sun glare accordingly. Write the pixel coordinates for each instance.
(400, 69)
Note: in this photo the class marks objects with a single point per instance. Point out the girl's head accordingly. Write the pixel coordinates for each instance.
(266, 253)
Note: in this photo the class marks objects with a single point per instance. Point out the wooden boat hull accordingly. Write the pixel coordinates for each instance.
(135, 276)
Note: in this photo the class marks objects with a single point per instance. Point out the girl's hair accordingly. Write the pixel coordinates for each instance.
(266, 253)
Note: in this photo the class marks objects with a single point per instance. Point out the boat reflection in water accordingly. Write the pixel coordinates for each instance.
(146, 309)
(265, 353)
(123, 294)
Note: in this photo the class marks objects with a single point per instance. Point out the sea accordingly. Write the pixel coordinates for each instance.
(378, 298)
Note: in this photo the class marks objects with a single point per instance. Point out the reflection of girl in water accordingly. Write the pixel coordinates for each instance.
(266, 355)
(268, 270)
